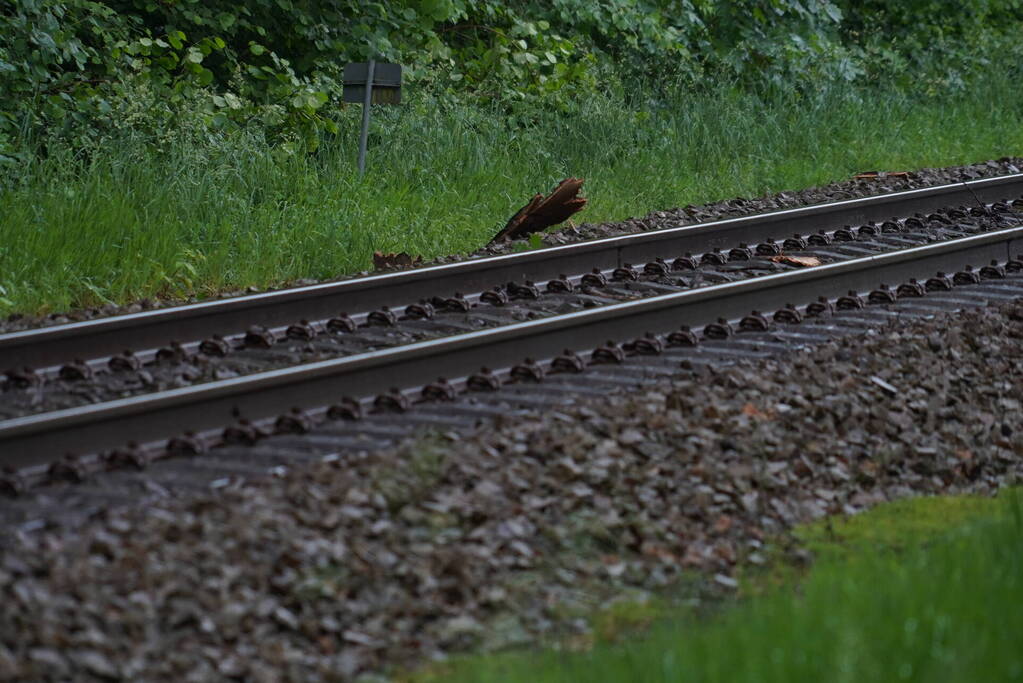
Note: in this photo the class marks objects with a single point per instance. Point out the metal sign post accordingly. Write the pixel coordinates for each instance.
(366, 101)
(371, 83)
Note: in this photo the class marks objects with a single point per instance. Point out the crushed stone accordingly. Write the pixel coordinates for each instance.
(507, 535)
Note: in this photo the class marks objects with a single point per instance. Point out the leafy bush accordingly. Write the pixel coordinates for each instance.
(79, 68)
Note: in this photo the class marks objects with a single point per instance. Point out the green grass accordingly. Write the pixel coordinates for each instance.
(199, 216)
(923, 590)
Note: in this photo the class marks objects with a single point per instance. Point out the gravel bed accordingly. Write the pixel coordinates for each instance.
(849, 189)
(511, 533)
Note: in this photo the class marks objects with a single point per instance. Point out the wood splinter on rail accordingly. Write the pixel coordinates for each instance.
(881, 175)
(543, 212)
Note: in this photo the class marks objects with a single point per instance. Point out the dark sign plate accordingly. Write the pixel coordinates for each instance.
(386, 82)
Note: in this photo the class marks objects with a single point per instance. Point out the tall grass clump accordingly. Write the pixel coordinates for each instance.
(197, 212)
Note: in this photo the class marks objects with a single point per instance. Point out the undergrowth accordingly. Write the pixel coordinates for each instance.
(196, 214)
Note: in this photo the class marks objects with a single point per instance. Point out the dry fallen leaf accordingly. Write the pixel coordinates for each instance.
(383, 260)
(751, 410)
(801, 261)
(723, 524)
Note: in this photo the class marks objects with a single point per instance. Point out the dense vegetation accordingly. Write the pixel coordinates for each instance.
(83, 68)
(203, 215)
(178, 147)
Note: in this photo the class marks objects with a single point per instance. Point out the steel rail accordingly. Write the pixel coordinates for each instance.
(147, 418)
(103, 337)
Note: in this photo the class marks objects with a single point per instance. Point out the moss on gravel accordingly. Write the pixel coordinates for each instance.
(916, 546)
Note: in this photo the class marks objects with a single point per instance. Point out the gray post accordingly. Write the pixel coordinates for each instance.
(367, 100)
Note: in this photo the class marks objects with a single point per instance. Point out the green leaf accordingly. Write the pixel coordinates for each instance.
(438, 10)
(315, 100)
(256, 49)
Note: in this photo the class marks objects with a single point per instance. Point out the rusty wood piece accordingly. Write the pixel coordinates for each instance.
(543, 212)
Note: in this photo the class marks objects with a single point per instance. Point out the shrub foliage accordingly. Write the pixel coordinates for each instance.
(84, 67)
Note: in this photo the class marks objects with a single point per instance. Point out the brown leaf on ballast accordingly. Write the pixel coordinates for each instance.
(382, 260)
(751, 410)
(543, 212)
(801, 261)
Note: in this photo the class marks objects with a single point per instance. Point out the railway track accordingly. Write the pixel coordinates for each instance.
(294, 413)
(346, 429)
(349, 387)
(96, 342)
(261, 348)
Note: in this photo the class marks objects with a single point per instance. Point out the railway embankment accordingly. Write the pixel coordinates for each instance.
(393, 557)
